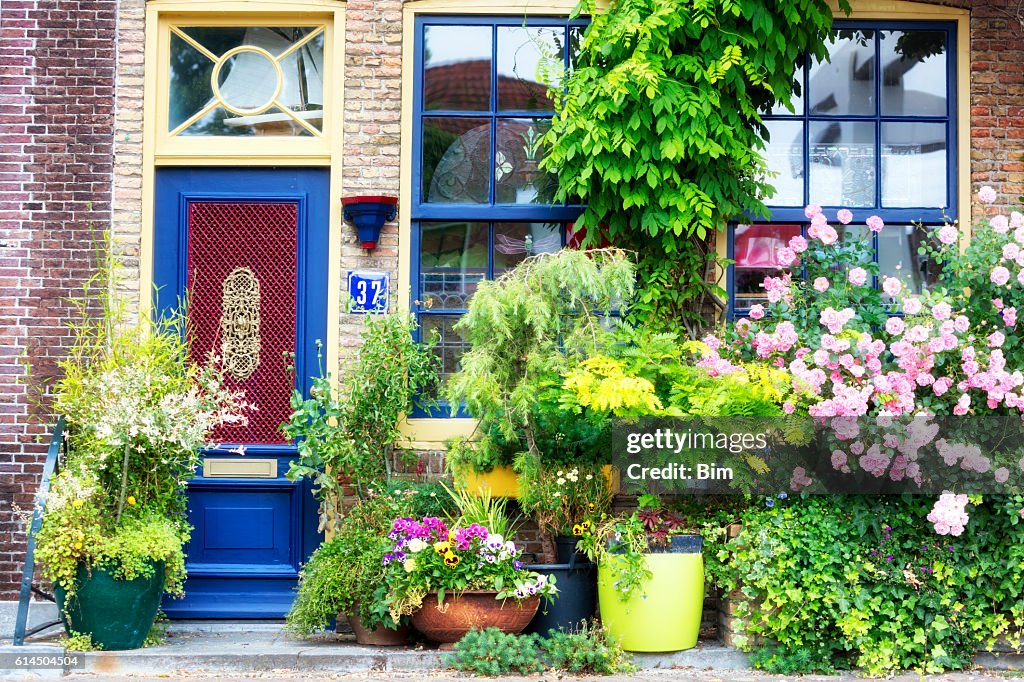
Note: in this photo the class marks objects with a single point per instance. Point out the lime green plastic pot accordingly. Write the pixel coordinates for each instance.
(665, 615)
(116, 614)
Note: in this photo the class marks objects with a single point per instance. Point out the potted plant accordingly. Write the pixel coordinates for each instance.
(565, 502)
(650, 578)
(532, 323)
(114, 521)
(480, 467)
(347, 573)
(452, 579)
(345, 434)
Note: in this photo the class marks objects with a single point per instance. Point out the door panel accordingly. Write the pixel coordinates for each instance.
(247, 249)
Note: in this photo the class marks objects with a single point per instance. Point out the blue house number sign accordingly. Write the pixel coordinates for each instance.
(368, 292)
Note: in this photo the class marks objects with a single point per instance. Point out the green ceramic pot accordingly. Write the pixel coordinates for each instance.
(116, 614)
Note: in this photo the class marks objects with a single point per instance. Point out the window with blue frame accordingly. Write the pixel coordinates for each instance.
(481, 203)
(873, 131)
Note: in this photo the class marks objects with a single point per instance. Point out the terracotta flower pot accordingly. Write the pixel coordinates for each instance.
(380, 636)
(450, 620)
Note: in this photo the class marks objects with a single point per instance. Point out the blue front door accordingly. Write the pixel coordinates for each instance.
(247, 249)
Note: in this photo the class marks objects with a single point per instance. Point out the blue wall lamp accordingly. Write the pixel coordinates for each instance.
(368, 214)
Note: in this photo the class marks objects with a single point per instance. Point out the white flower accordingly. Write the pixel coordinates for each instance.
(409, 565)
(560, 481)
(417, 545)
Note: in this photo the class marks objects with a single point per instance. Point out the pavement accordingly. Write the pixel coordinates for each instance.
(263, 651)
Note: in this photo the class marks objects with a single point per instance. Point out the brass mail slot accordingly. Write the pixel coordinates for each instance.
(239, 467)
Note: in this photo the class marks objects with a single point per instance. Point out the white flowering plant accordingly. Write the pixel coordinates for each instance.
(563, 500)
(138, 408)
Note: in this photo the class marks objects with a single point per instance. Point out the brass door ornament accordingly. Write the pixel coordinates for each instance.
(240, 324)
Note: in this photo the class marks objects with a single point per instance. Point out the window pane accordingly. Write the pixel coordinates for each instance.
(756, 252)
(453, 260)
(898, 257)
(457, 68)
(842, 159)
(575, 44)
(530, 60)
(518, 151)
(797, 100)
(449, 344)
(256, 89)
(456, 154)
(513, 242)
(913, 73)
(914, 164)
(785, 156)
(846, 83)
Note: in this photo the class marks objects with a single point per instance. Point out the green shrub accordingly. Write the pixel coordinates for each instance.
(864, 582)
(492, 652)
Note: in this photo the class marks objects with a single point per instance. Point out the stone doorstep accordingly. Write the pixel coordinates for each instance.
(254, 647)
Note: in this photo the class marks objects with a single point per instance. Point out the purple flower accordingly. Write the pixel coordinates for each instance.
(517, 565)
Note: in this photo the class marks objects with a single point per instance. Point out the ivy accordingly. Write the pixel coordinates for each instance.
(659, 131)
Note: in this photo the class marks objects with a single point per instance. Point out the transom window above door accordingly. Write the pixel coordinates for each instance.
(246, 80)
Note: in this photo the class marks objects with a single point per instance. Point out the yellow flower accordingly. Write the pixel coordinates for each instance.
(591, 507)
(442, 547)
(577, 529)
(77, 504)
(131, 500)
(78, 545)
(451, 560)
(585, 525)
(451, 537)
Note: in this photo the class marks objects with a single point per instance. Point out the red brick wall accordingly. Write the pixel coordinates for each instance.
(56, 137)
(997, 101)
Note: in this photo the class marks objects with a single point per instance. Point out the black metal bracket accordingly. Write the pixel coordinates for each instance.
(51, 466)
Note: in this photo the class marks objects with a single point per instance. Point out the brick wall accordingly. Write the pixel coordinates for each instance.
(56, 123)
(371, 140)
(997, 101)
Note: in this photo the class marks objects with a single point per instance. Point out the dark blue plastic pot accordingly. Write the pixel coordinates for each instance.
(575, 602)
(368, 214)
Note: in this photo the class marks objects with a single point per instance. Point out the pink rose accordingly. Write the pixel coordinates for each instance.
(821, 284)
(788, 407)
(858, 277)
(798, 244)
(948, 235)
(1002, 475)
(1000, 224)
(911, 305)
(942, 385)
(812, 210)
(827, 234)
(1000, 275)
(756, 312)
(1020, 278)
(998, 303)
(892, 286)
(961, 324)
(996, 339)
(1010, 316)
(1018, 235)
(1011, 251)
(942, 311)
(875, 223)
(987, 195)
(786, 257)
(844, 216)
(1016, 220)
(895, 326)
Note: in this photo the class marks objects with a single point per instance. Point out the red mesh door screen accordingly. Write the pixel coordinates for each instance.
(241, 304)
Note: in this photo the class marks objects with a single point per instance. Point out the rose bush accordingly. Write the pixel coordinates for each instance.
(851, 350)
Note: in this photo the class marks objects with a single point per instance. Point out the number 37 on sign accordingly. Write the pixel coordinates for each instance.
(368, 292)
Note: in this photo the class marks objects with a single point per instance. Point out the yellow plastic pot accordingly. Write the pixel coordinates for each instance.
(501, 481)
(665, 615)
